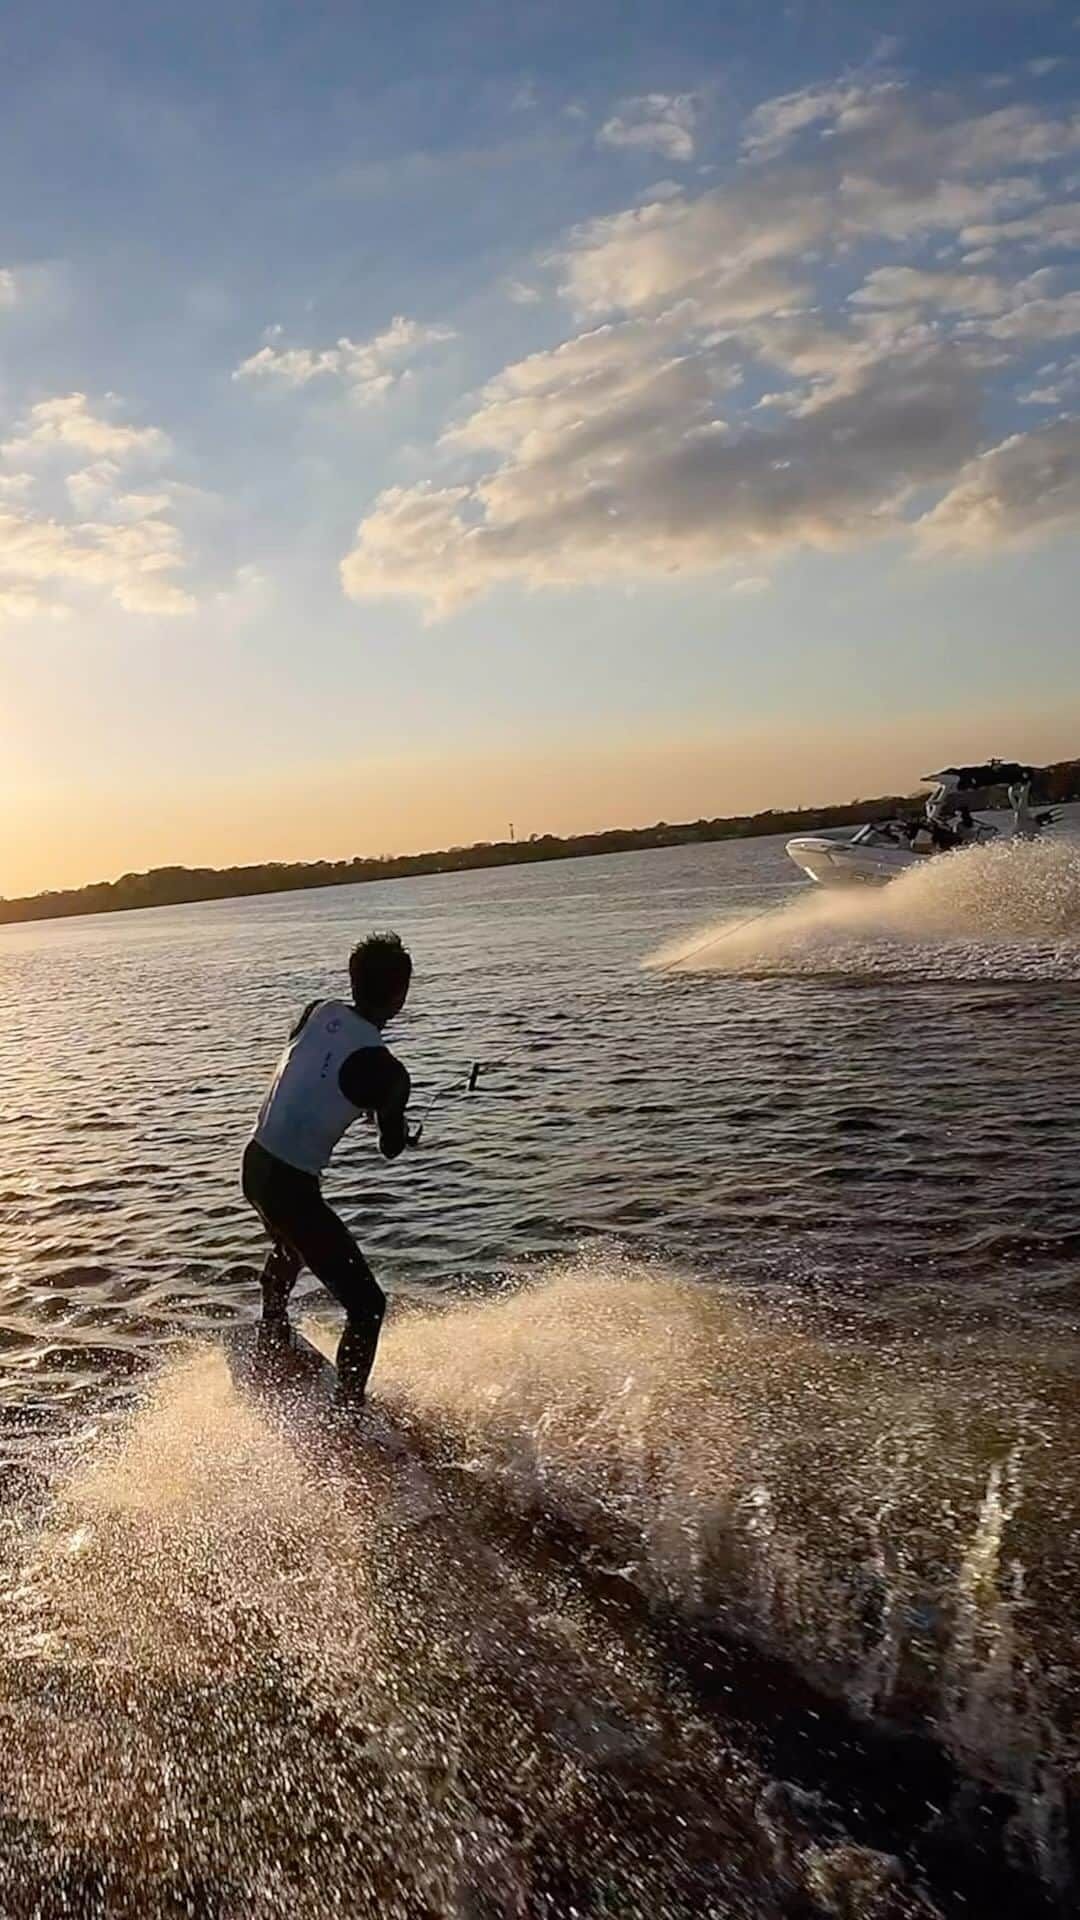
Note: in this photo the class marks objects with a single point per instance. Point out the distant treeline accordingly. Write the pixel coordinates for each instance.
(173, 886)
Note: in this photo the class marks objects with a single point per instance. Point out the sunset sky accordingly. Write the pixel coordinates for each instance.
(417, 418)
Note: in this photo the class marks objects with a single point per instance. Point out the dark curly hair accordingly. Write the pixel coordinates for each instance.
(380, 967)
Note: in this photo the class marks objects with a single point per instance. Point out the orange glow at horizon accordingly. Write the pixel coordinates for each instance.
(63, 833)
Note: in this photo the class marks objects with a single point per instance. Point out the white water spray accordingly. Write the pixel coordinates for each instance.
(1008, 910)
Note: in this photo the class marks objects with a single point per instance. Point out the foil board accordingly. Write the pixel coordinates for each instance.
(288, 1369)
(296, 1384)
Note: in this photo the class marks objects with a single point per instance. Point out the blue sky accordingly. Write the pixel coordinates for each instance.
(417, 418)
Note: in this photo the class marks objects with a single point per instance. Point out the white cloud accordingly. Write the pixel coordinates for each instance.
(776, 123)
(1021, 491)
(246, 597)
(523, 295)
(123, 542)
(860, 188)
(713, 414)
(1061, 382)
(1025, 312)
(132, 563)
(9, 292)
(912, 287)
(616, 463)
(888, 162)
(23, 603)
(887, 120)
(140, 506)
(894, 168)
(1049, 63)
(66, 423)
(1048, 227)
(94, 490)
(649, 256)
(367, 368)
(654, 123)
(751, 583)
(1046, 318)
(90, 486)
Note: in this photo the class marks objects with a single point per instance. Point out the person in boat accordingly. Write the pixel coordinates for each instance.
(943, 836)
(1027, 824)
(336, 1068)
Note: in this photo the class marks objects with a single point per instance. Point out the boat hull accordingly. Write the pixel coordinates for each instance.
(840, 863)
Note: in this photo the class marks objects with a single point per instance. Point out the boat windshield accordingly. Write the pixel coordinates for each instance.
(881, 833)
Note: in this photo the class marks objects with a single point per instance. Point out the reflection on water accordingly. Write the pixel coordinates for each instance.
(779, 1465)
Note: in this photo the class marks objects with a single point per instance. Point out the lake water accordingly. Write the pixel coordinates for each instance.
(737, 1311)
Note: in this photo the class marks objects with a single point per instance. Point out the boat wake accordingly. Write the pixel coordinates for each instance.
(1006, 911)
(238, 1676)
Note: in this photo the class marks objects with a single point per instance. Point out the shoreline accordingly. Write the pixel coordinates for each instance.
(186, 886)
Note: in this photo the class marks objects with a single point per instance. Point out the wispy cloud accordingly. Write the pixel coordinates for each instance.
(23, 603)
(776, 123)
(1059, 384)
(1012, 495)
(90, 487)
(917, 287)
(661, 123)
(1046, 317)
(1026, 310)
(1056, 226)
(366, 368)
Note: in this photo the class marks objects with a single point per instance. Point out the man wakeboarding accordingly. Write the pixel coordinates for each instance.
(336, 1067)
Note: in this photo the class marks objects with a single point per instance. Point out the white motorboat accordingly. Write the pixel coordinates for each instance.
(874, 854)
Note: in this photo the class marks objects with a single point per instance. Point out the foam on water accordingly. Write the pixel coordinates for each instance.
(239, 1679)
(245, 1676)
(899, 1522)
(746, 1463)
(1008, 910)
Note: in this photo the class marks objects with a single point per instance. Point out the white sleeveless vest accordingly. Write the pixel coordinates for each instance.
(305, 1112)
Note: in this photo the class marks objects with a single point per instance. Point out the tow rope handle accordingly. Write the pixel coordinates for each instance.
(469, 1084)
